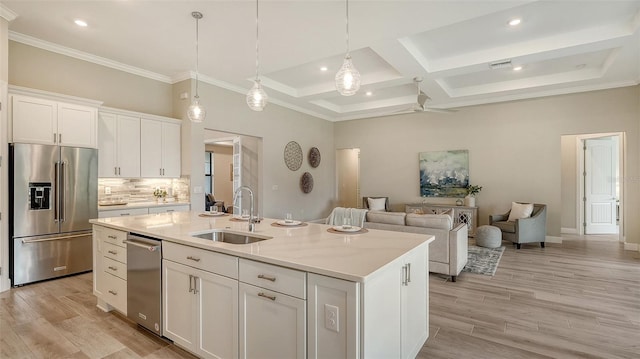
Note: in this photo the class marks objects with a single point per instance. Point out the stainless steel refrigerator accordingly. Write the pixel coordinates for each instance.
(53, 194)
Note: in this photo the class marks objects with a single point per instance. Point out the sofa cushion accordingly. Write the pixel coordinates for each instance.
(386, 217)
(505, 226)
(520, 210)
(439, 221)
(376, 204)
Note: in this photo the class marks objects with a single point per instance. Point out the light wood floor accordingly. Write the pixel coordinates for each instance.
(578, 299)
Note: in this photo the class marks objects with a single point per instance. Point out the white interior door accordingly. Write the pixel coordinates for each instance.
(348, 177)
(601, 163)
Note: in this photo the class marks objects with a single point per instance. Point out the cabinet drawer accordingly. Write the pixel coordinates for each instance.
(114, 236)
(115, 292)
(182, 208)
(272, 277)
(123, 212)
(116, 268)
(115, 252)
(213, 262)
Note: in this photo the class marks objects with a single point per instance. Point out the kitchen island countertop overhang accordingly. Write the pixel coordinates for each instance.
(311, 248)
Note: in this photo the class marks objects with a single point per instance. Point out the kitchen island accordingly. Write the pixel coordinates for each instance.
(303, 292)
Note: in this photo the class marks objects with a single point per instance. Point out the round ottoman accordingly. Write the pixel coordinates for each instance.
(488, 236)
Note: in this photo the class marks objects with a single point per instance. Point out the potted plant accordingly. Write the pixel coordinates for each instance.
(159, 194)
(470, 199)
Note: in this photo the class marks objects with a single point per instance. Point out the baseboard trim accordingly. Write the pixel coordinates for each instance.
(553, 239)
(631, 247)
(568, 230)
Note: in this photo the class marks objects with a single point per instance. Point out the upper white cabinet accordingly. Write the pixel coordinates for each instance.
(119, 145)
(50, 122)
(159, 148)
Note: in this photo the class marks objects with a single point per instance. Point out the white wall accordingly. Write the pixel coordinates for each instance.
(514, 149)
(227, 111)
(4, 174)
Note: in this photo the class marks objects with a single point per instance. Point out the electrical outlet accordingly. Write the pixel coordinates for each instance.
(107, 190)
(331, 317)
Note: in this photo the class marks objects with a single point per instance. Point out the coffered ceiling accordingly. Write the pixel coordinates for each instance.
(561, 47)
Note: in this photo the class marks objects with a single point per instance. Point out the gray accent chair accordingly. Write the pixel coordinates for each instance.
(525, 230)
(365, 203)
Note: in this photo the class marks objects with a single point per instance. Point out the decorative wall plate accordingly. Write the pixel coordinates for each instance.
(314, 157)
(293, 155)
(306, 182)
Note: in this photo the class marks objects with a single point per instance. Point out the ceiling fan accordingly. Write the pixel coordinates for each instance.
(421, 100)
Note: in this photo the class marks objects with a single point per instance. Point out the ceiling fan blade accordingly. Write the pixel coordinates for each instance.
(422, 98)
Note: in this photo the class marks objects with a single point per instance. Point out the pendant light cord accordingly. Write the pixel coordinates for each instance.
(197, 55)
(347, 25)
(257, 44)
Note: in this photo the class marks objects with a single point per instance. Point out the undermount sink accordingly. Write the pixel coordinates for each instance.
(230, 237)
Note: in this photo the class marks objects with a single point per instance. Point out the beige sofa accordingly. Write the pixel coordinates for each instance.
(447, 253)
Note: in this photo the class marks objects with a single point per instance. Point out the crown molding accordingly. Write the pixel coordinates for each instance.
(26, 91)
(81, 55)
(7, 13)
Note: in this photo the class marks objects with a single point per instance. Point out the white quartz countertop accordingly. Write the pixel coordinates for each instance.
(311, 248)
(138, 205)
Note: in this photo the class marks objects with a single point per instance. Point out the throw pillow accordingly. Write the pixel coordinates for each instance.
(376, 204)
(520, 210)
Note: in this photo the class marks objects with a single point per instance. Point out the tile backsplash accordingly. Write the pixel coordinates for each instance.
(141, 189)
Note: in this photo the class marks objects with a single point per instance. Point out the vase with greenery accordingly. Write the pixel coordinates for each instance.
(160, 194)
(470, 199)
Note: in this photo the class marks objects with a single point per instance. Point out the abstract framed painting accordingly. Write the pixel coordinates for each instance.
(444, 173)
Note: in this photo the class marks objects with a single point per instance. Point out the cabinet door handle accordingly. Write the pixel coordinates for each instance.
(115, 171)
(59, 138)
(408, 272)
(113, 252)
(190, 283)
(113, 292)
(160, 171)
(54, 138)
(195, 285)
(404, 275)
(195, 259)
(262, 276)
(119, 168)
(115, 269)
(272, 297)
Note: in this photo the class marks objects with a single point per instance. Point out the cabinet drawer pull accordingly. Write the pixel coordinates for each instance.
(113, 252)
(113, 292)
(272, 297)
(112, 237)
(262, 276)
(195, 259)
(113, 268)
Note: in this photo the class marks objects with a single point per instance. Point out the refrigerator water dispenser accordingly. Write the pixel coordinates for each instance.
(40, 195)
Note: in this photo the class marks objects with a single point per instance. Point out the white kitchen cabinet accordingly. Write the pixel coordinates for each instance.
(49, 122)
(272, 311)
(200, 307)
(123, 212)
(168, 209)
(394, 303)
(110, 269)
(119, 145)
(160, 148)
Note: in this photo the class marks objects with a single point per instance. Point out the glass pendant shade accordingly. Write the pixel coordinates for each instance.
(196, 112)
(256, 97)
(347, 78)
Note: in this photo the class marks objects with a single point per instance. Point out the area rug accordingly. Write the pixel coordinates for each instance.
(483, 260)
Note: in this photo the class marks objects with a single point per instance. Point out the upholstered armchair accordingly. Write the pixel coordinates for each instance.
(209, 201)
(523, 230)
(365, 202)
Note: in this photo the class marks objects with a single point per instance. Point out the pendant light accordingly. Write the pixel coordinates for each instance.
(347, 78)
(256, 97)
(196, 112)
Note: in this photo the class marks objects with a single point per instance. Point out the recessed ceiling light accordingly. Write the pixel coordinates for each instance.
(324, 68)
(517, 68)
(514, 22)
(368, 93)
(81, 23)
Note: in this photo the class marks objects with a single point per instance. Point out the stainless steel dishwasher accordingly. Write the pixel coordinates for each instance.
(144, 281)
